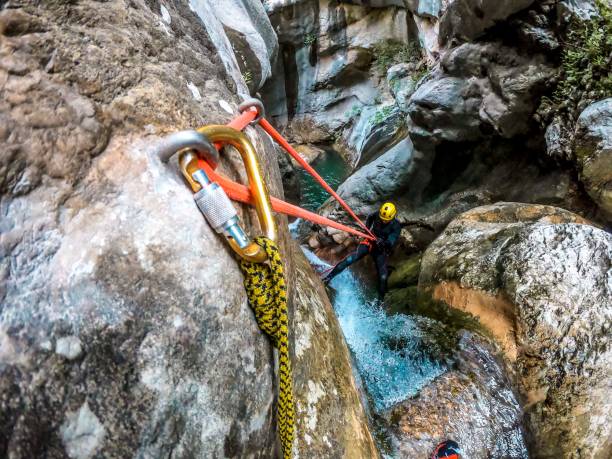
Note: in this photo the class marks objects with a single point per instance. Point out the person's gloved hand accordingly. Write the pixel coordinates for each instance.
(380, 243)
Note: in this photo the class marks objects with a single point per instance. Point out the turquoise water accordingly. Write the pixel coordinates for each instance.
(392, 351)
(332, 168)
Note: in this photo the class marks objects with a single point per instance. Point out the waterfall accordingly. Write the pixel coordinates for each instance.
(389, 353)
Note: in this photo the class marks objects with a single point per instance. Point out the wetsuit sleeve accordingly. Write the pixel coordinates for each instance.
(370, 220)
(394, 235)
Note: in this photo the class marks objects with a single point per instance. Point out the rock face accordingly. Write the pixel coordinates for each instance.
(538, 278)
(473, 404)
(395, 172)
(444, 22)
(324, 382)
(244, 24)
(482, 89)
(326, 87)
(124, 327)
(593, 147)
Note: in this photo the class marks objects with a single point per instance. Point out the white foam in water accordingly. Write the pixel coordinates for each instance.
(293, 227)
(387, 348)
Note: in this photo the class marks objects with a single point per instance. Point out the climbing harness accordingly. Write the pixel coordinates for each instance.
(260, 260)
(264, 282)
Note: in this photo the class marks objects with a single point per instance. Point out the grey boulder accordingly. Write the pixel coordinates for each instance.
(593, 150)
(538, 279)
(480, 90)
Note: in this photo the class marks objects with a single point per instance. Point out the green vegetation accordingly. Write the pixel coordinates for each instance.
(354, 112)
(310, 39)
(587, 60)
(388, 53)
(420, 73)
(382, 114)
(248, 77)
(585, 74)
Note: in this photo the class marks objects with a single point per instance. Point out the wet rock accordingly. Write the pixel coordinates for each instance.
(125, 330)
(324, 386)
(308, 152)
(406, 273)
(537, 278)
(395, 172)
(473, 404)
(593, 148)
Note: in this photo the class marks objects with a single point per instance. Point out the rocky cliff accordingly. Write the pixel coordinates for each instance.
(486, 98)
(449, 106)
(124, 326)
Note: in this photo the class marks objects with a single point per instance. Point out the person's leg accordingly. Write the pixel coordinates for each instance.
(380, 258)
(362, 251)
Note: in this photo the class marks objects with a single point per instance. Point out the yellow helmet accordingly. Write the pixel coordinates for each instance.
(387, 212)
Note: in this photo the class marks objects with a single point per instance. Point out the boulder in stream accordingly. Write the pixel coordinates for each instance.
(472, 403)
(538, 279)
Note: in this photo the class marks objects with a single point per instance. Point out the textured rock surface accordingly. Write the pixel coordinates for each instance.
(395, 172)
(538, 278)
(325, 88)
(253, 43)
(124, 327)
(593, 147)
(481, 89)
(473, 404)
(467, 19)
(324, 383)
(443, 23)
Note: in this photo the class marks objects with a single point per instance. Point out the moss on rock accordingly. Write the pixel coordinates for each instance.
(406, 273)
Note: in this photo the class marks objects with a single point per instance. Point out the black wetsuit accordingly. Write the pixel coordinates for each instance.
(387, 234)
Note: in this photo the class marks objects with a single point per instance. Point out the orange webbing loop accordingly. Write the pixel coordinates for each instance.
(239, 192)
(243, 120)
(283, 143)
(242, 193)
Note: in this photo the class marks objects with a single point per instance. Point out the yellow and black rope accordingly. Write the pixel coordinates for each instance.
(267, 295)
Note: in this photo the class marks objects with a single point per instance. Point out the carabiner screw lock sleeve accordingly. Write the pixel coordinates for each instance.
(210, 197)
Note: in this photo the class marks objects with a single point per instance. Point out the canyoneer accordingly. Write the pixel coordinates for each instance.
(386, 228)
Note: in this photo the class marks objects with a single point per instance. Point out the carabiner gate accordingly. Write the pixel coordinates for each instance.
(212, 199)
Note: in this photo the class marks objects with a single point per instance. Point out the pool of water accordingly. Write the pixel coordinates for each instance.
(332, 168)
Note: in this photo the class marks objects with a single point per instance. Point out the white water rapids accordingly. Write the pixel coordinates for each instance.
(391, 372)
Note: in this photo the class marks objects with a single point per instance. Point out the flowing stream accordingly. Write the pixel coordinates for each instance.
(395, 355)
(389, 350)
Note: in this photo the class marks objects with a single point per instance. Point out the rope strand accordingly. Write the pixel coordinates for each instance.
(267, 296)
